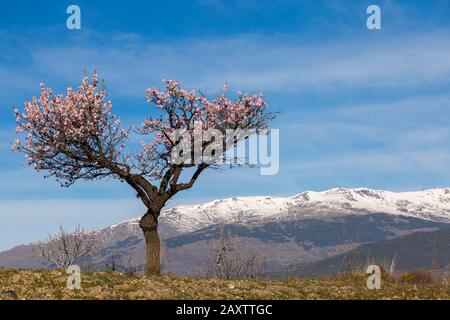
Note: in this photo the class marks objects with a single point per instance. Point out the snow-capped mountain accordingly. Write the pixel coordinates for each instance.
(430, 204)
(306, 227)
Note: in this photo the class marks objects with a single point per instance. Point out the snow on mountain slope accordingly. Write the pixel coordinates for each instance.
(431, 204)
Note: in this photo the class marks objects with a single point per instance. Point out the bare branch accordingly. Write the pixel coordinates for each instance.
(64, 249)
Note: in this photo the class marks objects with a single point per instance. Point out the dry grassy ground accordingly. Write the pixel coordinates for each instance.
(42, 284)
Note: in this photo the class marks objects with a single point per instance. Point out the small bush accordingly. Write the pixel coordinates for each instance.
(416, 276)
(231, 261)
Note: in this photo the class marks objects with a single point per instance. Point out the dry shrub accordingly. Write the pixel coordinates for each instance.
(416, 276)
(231, 261)
(64, 249)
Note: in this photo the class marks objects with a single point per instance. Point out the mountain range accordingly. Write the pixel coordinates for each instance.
(299, 230)
(423, 250)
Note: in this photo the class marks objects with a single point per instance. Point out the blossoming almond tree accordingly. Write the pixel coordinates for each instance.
(76, 136)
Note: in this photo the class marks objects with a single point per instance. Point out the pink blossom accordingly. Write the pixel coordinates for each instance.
(76, 135)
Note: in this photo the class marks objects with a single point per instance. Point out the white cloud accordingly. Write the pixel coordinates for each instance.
(253, 62)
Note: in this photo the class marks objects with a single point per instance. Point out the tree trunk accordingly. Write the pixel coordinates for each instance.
(149, 225)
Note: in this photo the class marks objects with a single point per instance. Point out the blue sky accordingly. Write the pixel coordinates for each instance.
(357, 107)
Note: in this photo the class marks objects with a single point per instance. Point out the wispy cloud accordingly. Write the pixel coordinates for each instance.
(405, 123)
(255, 62)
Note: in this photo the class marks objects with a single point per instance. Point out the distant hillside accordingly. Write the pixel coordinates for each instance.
(315, 232)
(429, 204)
(424, 250)
(282, 243)
(300, 229)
